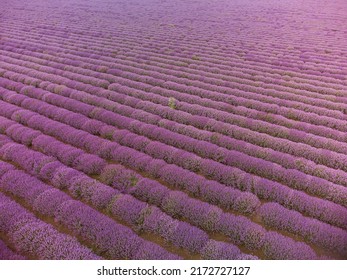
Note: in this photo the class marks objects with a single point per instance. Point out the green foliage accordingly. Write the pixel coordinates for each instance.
(133, 181)
(172, 103)
(195, 57)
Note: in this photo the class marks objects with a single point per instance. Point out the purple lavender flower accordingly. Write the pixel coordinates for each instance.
(119, 177)
(48, 201)
(160, 223)
(203, 215)
(36, 238)
(7, 254)
(279, 247)
(280, 218)
(174, 203)
(89, 164)
(128, 208)
(22, 185)
(107, 237)
(242, 231)
(150, 251)
(5, 167)
(217, 250)
(189, 237)
(62, 176)
(150, 191)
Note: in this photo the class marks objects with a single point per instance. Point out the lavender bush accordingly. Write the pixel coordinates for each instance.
(137, 138)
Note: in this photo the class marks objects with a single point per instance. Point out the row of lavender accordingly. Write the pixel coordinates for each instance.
(156, 45)
(193, 78)
(65, 156)
(86, 54)
(36, 195)
(335, 164)
(207, 115)
(141, 141)
(91, 128)
(321, 188)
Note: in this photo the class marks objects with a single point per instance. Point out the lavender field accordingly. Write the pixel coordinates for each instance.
(173, 129)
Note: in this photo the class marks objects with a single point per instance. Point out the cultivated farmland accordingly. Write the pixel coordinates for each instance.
(153, 129)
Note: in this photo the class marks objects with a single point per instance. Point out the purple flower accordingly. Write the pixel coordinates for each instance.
(108, 237)
(247, 203)
(217, 250)
(62, 176)
(215, 193)
(22, 185)
(5, 167)
(44, 242)
(93, 126)
(150, 251)
(188, 160)
(128, 208)
(203, 214)
(48, 201)
(327, 236)
(279, 247)
(119, 177)
(160, 223)
(150, 191)
(174, 203)
(33, 237)
(242, 231)
(48, 170)
(89, 164)
(189, 237)
(7, 254)
(91, 191)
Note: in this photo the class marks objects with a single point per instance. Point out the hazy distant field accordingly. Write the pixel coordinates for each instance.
(148, 129)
